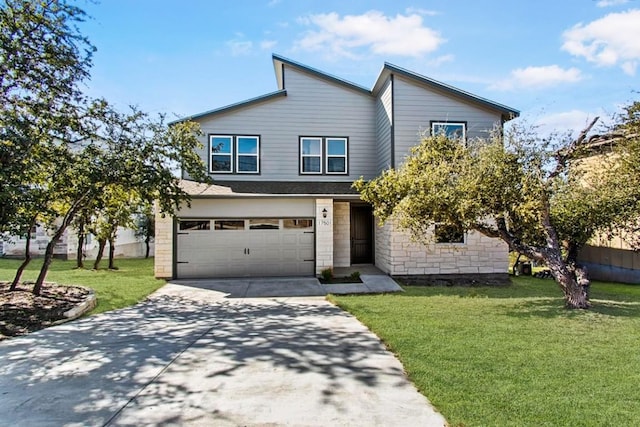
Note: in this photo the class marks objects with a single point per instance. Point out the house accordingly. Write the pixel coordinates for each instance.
(282, 165)
(609, 257)
(128, 245)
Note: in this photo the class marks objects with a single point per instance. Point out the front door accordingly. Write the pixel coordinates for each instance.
(361, 235)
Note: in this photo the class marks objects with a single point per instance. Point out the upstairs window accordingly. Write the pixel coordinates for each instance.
(337, 155)
(452, 130)
(221, 153)
(311, 155)
(323, 155)
(234, 154)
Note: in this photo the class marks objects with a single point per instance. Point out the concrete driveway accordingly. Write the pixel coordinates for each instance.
(189, 356)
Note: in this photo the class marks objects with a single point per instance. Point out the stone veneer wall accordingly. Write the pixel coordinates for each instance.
(324, 235)
(163, 263)
(398, 255)
(341, 234)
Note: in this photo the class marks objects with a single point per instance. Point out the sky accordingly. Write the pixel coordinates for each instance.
(560, 62)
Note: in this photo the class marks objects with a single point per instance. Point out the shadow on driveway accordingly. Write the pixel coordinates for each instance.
(187, 356)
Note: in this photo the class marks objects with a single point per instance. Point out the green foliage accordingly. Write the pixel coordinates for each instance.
(503, 356)
(43, 58)
(327, 275)
(533, 192)
(355, 276)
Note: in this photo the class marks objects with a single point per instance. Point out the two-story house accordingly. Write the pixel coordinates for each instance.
(283, 164)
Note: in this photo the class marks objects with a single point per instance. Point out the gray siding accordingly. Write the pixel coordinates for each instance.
(384, 120)
(415, 107)
(312, 107)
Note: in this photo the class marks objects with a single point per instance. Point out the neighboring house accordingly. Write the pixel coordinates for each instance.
(127, 245)
(609, 258)
(283, 164)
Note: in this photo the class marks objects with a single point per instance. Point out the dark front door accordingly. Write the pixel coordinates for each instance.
(361, 235)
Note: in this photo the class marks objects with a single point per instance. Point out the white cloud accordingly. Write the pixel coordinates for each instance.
(239, 47)
(402, 35)
(565, 122)
(538, 77)
(608, 41)
(267, 44)
(424, 12)
(608, 3)
(436, 62)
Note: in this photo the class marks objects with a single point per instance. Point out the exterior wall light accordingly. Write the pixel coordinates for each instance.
(324, 213)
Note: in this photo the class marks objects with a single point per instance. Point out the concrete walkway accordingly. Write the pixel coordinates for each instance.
(292, 286)
(191, 356)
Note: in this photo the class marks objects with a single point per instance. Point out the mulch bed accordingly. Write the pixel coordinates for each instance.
(22, 312)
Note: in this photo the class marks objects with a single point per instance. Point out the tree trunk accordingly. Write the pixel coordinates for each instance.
(574, 284)
(101, 244)
(79, 257)
(27, 260)
(147, 239)
(112, 249)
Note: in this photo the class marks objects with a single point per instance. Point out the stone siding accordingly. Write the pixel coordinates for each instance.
(163, 263)
(398, 255)
(324, 235)
(341, 234)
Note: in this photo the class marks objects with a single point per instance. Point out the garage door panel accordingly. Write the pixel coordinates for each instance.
(246, 252)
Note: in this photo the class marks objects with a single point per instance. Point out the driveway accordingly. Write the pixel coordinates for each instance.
(190, 356)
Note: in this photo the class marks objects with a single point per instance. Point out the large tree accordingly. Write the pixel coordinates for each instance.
(537, 194)
(43, 58)
(131, 154)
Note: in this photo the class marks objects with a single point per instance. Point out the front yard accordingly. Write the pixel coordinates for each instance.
(131, 283)
(513, 356)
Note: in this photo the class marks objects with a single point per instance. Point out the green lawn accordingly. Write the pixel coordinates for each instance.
(114, 289)
(514, 356)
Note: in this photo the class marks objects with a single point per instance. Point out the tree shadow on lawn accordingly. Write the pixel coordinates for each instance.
(86, 371)
(554, 308)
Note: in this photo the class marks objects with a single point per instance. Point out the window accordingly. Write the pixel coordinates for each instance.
(194, 225)
(220, 148)
(228, 224)
(299, 224)
(336, 155)
(247, 154)
(447, 233)
(320, 155)
(310, 155)
(264, 224)
(453, 130)
(234, 154)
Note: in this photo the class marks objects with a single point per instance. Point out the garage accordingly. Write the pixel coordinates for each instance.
(245, 247)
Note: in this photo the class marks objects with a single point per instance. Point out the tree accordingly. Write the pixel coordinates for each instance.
(43, 58)
(529, 191)
(146, 226)
(130, 153)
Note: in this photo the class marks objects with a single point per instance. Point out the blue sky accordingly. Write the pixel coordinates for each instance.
(559, 62)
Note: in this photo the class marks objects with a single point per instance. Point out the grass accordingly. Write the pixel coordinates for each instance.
(131, 283)
(513, 356)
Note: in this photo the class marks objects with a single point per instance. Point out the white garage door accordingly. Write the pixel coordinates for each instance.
(245, 247)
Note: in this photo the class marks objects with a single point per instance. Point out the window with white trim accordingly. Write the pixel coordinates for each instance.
(452, 130)
(323, 155)
(337, 155)
(311, 155)
(220, 147)
(234, 154)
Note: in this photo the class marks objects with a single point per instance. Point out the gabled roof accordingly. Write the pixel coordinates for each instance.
(242, 104)
(278, 61)
(508, 113)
